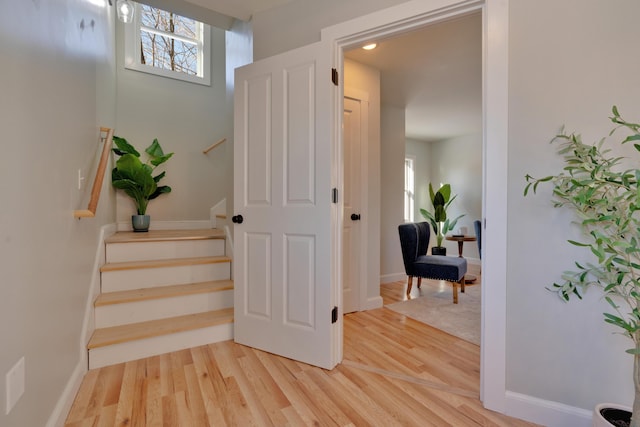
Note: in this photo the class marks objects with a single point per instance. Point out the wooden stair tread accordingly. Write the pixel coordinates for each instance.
(153, 328)
(165, 235)
(120, 297)
(172, 262)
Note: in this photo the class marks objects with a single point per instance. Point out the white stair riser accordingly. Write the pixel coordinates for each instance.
(133, 350)
(145, 251)
(140, 311)
(124, 280)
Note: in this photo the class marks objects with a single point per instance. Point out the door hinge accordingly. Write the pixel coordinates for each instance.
(334, 195)
(334, 76)
(334, 315)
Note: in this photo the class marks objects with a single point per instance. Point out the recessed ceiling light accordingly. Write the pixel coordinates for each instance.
(369, 46)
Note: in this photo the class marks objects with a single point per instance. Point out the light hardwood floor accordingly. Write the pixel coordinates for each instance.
(396, 372)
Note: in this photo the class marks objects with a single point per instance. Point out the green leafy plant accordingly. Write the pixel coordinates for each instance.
(136, 178)
(440, 200)
(606, 200)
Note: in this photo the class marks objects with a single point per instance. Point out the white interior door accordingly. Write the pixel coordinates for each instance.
(284, 295)
(352, 207)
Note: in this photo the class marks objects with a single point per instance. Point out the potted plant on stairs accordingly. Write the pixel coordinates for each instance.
(136, 178)
(606, 199)
(440, 200)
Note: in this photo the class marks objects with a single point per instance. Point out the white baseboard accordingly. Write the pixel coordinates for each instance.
(373, 303)
(169, 225)
(545, 412)
(396, 277)
(62, 408)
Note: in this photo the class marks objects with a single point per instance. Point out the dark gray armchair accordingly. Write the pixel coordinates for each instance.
(414, 241)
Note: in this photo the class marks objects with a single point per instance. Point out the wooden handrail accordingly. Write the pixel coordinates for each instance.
(90, 212)
(214, 145)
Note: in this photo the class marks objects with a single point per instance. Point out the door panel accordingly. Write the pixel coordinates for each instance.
(282, 188)
(258, 276)
(351, 249)
(258, 143)
(299, 280)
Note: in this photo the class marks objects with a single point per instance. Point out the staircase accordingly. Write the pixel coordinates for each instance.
(162, 291)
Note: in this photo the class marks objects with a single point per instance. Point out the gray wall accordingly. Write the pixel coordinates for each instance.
(570, 73)
(569, 62)
(391, 192)
(186, 118)
(57, 86)
(458, 161)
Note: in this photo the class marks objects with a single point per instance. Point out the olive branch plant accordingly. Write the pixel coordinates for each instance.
(606, 199)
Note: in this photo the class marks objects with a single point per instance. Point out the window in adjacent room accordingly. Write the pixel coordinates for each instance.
(167, 44)
(409, 188)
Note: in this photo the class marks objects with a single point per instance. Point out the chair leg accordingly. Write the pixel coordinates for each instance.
(455, 292)
(409, 284)
(419, 282)
(462, 282)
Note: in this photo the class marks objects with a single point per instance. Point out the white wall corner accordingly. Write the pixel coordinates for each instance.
(545, 412)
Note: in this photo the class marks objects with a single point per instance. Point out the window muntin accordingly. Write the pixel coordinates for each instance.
(167, 44)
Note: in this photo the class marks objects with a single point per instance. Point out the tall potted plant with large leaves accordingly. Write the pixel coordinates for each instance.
(440, 201)
(136, 178)
(606, 199)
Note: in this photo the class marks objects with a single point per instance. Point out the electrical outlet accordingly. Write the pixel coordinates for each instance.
(14, 384)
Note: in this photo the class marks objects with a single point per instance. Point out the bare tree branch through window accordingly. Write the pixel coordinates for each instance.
(169, 41)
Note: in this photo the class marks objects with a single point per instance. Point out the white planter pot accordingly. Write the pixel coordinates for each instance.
(598, 419)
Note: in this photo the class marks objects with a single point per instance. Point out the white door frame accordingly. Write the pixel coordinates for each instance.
(413, 15)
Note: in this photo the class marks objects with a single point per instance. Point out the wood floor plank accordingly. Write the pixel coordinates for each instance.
(84, 397)
(128, 393)
(267, 391)
(396, 371)
(153, 403)
(299, 410)
(353, 401)
(107, 417)
(208, 375)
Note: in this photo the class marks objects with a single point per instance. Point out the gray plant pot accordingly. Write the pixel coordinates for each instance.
(140, 223)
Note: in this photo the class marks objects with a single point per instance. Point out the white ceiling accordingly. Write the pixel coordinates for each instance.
(434, 73)
(239, 9)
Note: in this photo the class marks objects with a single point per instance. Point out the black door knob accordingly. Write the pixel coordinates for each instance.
(355, 217)
(237, 219)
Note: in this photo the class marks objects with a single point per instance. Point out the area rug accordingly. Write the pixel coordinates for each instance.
(435, 307)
